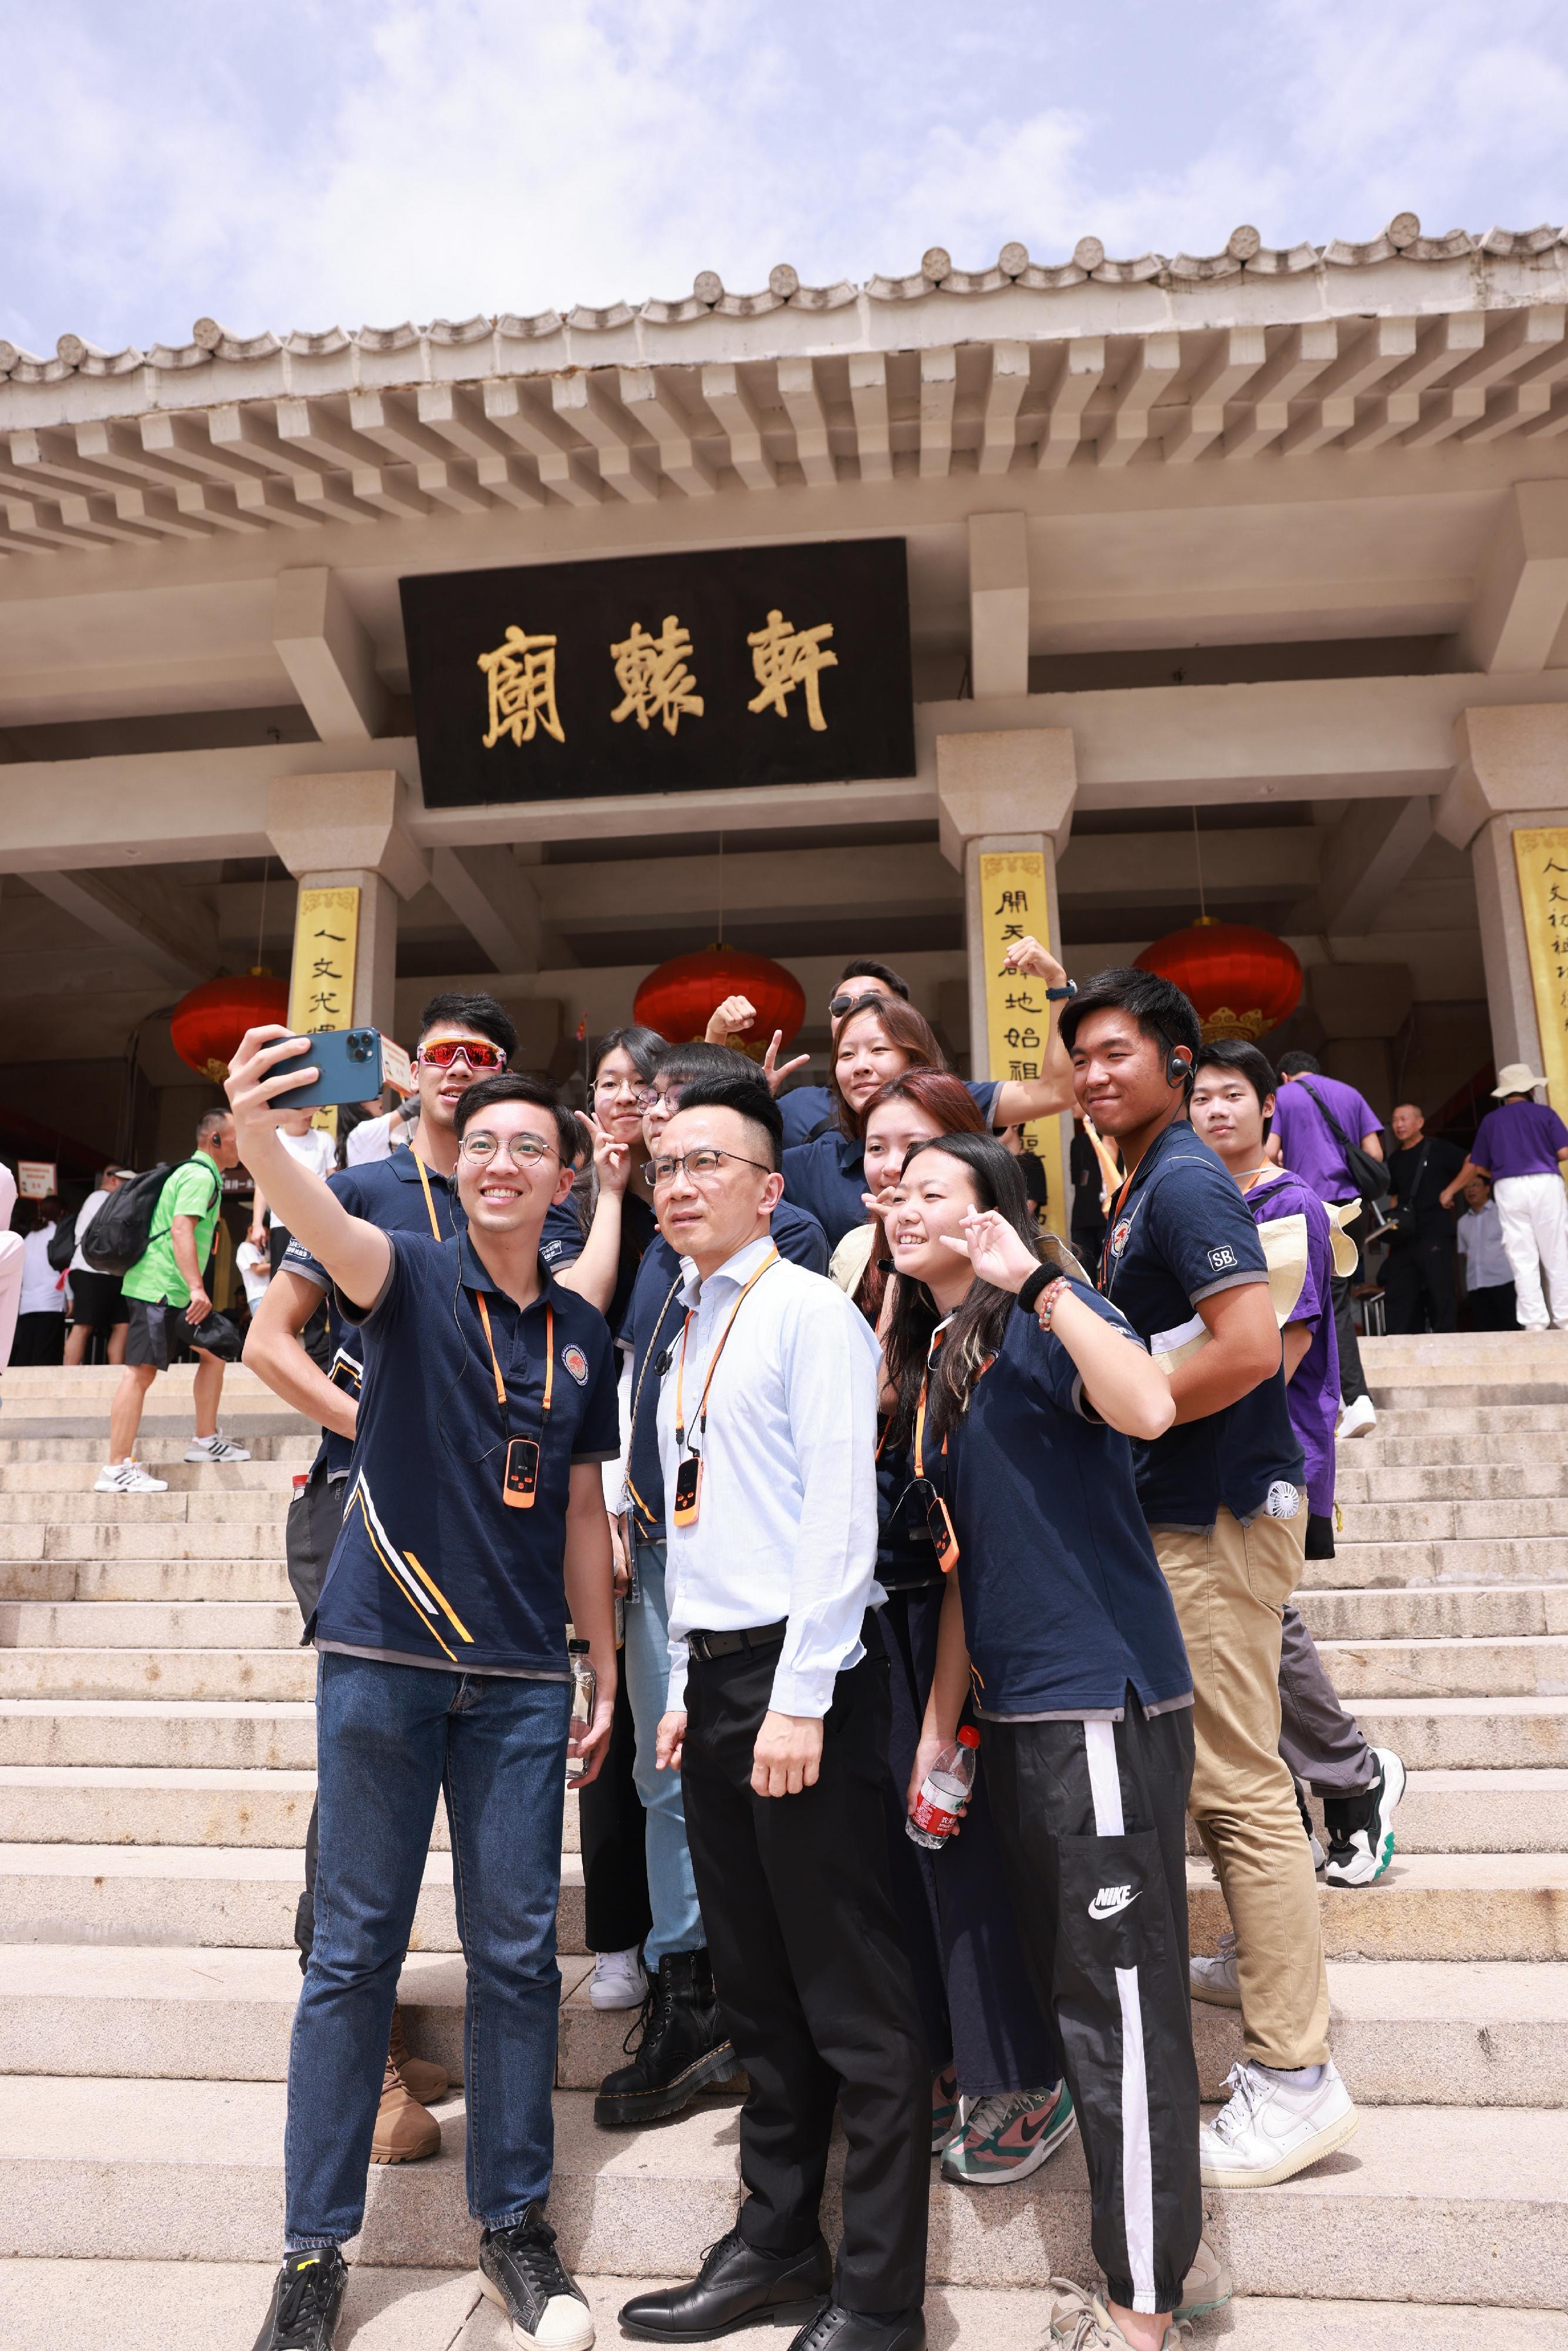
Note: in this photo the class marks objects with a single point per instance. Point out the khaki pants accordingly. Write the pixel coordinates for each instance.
(1230, 1585)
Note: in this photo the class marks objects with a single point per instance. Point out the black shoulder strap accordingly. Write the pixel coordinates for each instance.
(1335, 1128)
(821, 1128)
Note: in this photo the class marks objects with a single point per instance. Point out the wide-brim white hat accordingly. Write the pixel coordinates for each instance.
(1516, 1078)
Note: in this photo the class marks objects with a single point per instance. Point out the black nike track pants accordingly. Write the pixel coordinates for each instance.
(1092, 1823)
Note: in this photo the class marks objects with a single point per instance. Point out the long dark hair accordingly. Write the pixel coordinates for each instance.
(903, 1026)
(949, 1101)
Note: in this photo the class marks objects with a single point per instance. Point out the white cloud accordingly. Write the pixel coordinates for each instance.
(382, 159)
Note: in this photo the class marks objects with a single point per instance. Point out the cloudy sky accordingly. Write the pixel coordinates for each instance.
(300, 163)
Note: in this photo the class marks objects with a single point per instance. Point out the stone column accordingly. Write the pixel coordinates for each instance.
(350, 830)
(1008, 791)
(1512, 775)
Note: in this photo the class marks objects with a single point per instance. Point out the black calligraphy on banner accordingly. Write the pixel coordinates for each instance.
(662, 672)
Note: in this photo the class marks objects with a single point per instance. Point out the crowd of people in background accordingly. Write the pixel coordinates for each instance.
(852, 1482)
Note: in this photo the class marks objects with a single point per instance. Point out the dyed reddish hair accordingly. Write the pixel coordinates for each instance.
(946, 1099)
(902, 1025)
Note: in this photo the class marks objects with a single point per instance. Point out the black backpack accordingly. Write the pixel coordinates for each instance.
(63, 1243)
(119, 1233)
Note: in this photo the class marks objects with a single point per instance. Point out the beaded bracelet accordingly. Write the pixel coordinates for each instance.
(1049, 1300)
(1039, 1294)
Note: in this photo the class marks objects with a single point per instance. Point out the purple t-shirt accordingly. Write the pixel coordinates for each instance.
(1520, 1138)
(1311, 1151)
(1313, 1395)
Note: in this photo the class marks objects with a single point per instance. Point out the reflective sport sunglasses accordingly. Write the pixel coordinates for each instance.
(447, 1049)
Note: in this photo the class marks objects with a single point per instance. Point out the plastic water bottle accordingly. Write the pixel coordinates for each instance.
(584, 1691)
(944, 1792)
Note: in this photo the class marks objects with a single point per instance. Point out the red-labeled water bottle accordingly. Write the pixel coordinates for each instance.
(944, 1792)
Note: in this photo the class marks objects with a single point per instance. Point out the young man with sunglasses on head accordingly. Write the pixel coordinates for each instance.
(779, 1715)
(461, 1039)
(474, 1529)
(808, 1111)
(1223, 1492)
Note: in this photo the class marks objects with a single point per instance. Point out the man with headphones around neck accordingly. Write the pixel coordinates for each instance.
(1223, 1492)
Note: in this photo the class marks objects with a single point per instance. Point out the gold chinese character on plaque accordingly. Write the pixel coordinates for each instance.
(521, 675)
(784, 657)
(652, 676)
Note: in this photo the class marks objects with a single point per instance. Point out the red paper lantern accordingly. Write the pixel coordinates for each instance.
(207, 1025)
(681, 997)
(1242, 981)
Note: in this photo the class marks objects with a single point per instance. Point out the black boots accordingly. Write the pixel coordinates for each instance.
(682, 2045)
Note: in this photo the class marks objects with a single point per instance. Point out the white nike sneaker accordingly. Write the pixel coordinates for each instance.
(618, 1980)
(1215, 1979)
(1272, 2129)
(127, 1477)
(216, 1447)
(1357, 1420)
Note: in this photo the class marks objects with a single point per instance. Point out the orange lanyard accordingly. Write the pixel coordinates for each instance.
(495, 1365)
(765, 1267)
(637, 1398)
(429, 1203)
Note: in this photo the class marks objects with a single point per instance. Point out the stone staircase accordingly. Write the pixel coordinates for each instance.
(155, 1779)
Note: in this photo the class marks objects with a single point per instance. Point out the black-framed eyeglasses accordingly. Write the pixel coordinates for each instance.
(696, 1164)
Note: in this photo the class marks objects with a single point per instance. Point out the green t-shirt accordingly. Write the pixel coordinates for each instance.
(194, 1190)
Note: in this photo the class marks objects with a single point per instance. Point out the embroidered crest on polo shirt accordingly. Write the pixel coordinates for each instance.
(574, 1360)
(1222, 1260)
(1118, 1236)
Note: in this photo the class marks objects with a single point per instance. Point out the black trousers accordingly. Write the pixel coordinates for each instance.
(1352, 1378)
(1419, 1282)
(977, 2009)
(615, 1841)
(1092, 1820)
(315, 1517)
(810, 1970)
(1494, 1308)
(40, 1339)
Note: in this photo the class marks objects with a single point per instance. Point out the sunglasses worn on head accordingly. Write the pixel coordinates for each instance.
(447, 1049)
(839, 1005)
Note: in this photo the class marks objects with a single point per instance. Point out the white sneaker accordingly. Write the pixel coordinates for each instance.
(1081, 2321)
(1361, 1828)
(1208, 2285)
(215, 1448)
(1357, 1420)
(1272, 2129)
(127, 1477)
(618, 1980)
(1215, 1979)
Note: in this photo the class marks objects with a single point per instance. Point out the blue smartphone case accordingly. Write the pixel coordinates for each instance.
(348, 1063)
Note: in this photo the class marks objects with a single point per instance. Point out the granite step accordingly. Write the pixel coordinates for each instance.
(198, 1580)
(1536, 1559)
(150, 1625)
(1418, 1449)
(1436, 1612)
(129, 2303)
(181, 1506)
(152, 1736)
(141, 1539)
(1497, 1666)
(84, 1443)
(68, 1479)
(172, 1673)
(1403, 2034)
(1467, 1734)
(1475, 2203)
(1437, 1521)
(1360, 1481)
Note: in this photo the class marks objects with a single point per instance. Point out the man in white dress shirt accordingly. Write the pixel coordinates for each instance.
(778, 1714)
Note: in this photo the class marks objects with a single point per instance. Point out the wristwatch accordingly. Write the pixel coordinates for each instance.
(1059, 995)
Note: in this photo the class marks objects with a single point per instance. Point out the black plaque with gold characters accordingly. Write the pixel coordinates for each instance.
(662, 672)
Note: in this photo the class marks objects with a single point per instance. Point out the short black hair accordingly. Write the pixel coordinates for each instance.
(1235, 1054)
(1299, 1065)
(868, 968)
(209, 1124)
(1158, 1005)
(749, 1097)
(480, 1013)
(690, 1065)
(512, 1085)
(641, 1048)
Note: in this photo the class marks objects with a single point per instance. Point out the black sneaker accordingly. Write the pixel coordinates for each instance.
(305, 2300)
(520, 2269)
(1361, 1828)
(681, 2046)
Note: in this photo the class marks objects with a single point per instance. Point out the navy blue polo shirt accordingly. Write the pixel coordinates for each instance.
(801, 1109)
(433, 1567)
(1064, 1603)
(828, 1177)
(1181, 1232)
(653, 1321)
(905, 1554)
(387, 1192)
(565, 1234)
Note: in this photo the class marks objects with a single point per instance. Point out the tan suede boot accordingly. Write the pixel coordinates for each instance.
(404, 2133)
(421, 2079)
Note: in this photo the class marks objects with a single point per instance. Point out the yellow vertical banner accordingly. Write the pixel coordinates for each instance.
(1015, 905)
(326, 937)
(1541, 855)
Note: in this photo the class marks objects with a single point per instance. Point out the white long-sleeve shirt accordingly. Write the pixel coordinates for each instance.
(787, 1526)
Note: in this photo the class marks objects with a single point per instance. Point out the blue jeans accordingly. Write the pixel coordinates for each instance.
(672, 1890)
(389, 1739)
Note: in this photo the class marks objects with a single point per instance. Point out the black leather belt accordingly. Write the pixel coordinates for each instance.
(709, 1645)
